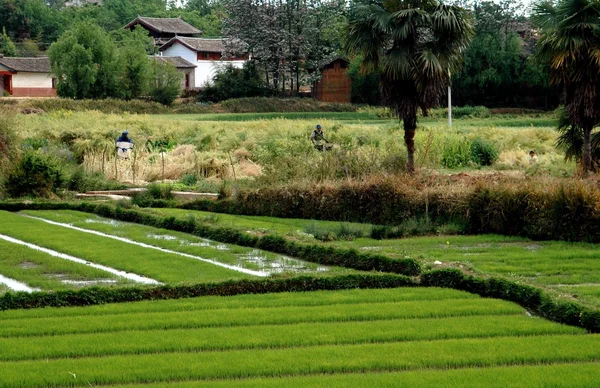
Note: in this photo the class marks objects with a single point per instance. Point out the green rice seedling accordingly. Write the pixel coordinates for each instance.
(255, 316)
(249, 258)
(274, 336)
(571, 375)
(158, 265)
(415, 355)
(249, 301)
(42, 271)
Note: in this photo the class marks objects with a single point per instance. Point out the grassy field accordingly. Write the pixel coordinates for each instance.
(276, 147)
(566, 269)
(380, 337)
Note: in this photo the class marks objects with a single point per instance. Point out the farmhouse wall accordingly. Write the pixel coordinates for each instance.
(205, 70)
(32, 85)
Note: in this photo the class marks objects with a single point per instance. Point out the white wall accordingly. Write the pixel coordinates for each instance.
(205, 70)
(32, 80)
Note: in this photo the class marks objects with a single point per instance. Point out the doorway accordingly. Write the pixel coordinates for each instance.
(5, 83)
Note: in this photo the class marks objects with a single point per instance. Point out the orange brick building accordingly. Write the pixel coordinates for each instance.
(335, 84)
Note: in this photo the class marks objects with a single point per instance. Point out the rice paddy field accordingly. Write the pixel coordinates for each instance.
(51, 251)
(394, 337)
(569, 270)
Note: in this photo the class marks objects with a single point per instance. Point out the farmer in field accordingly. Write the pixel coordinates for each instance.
(124, 145)
(318, 139)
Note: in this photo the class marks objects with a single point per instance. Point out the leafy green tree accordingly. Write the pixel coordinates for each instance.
(7, 46)
(570, 42)
(165, 82)
(415, 43)
(85, 63)
(132, 58)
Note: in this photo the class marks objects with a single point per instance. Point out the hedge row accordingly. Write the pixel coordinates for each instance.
(96, 295)
(531, 298)
(544, 210)
(349, 258)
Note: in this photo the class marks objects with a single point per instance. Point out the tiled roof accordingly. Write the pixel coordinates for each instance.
(28, 65)
(197, 44)
(178, 62)
(167, 25)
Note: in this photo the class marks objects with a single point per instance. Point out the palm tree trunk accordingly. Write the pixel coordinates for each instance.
(587, 149)
(410, 127)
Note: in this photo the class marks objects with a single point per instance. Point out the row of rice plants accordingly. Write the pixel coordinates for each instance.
(255, 316)
(42, 271)
(275, 336)
(581, 375)
(248, 301)
(164, 267)
(254, 259)
(412, 355)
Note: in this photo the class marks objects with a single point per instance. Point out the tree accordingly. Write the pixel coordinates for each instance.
(85, 63)
(165, 82)
(7, 46)
(415, 44)
(285, 37)
(570, 41)
(132, 57)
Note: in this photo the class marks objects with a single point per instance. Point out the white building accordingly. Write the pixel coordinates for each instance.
(206, 54)
(26, 77)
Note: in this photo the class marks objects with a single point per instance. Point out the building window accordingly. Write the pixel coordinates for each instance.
(53, 83)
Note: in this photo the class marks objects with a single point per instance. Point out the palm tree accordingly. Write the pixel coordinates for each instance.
(570, 141)
(570, 43)
(415, 44)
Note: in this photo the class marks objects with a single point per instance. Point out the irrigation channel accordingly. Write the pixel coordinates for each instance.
(262, 264)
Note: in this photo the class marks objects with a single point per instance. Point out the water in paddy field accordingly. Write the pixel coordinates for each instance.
(256, 259)
(279, 264)
(15, 285)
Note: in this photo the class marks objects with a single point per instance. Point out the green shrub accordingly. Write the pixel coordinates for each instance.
(82, 181)
(155, 195)
(456, 153)
(189, 179)
(36, 175)
(164, 82)
(483, 152)
(160, 191)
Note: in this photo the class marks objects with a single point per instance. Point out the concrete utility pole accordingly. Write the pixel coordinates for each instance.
(449, 99)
